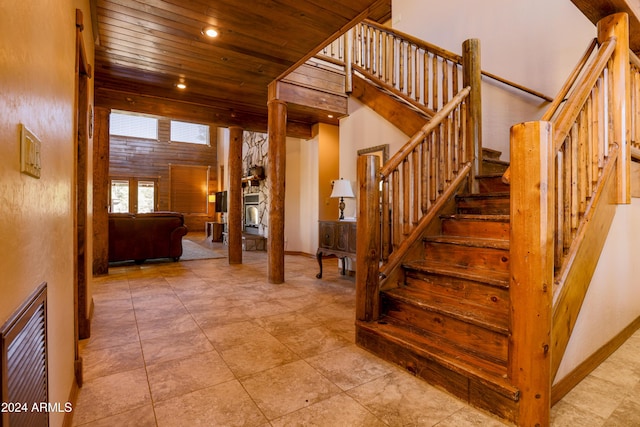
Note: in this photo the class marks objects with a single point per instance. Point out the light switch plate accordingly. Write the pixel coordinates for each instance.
(29, 153)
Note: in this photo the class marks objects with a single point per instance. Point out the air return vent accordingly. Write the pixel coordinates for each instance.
(24, 364)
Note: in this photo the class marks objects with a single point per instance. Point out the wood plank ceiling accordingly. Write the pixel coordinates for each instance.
(144, 48)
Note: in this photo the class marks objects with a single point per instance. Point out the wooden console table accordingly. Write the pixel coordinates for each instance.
(337, 238)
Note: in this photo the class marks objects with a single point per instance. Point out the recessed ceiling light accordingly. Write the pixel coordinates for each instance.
(330, 116)
(210, 32)
(181, 85)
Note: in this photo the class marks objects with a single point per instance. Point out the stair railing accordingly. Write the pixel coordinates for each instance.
(563, 179)
(399, 200)
(634, 82)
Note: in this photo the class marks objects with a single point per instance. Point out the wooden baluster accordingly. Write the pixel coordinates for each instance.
(583, 162)
(409, 69)
(424, 178)
(425, 78)
(566, 186)
(395, 210)
(559, 209)
(434, 83)
(442, 171)
(406, 196)
(574, 179)
(392, 61)
(456, 141)
(415, 180)
(590, 145)
(401, 66)
(445, 81)
(386, 221)
(368, 242)
(433, 168)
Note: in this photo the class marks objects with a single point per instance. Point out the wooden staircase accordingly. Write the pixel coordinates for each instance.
(449, 321)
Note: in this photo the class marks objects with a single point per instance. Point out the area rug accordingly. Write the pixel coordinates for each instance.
(193, 251)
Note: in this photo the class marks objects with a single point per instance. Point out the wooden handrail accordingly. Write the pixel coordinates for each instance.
(551, 111)
(517, 86)
(402, 154)
(571, 110)
(633, 59)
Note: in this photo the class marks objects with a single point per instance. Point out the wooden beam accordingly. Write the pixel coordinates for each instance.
(101, 191)
(595, 10)
(275, 179)
(234, 201)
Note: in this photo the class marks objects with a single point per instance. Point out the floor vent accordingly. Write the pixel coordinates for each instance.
(24, 364)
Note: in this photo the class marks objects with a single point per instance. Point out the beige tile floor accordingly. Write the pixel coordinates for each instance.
(205, 343)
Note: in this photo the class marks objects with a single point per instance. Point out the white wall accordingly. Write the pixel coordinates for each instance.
(613, 299)
(533, 43)
(363, 128)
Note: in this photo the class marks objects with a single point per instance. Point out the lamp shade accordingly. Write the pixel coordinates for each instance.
(342, 188)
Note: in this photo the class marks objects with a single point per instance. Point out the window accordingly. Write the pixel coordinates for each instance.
(142, 199)
(189, 132)
(133, 125)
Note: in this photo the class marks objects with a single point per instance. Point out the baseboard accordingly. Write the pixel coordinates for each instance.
(73, 398)
(299, 253)
(564, 386)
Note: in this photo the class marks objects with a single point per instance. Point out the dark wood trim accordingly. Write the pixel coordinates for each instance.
(566, 384)
(67, 421)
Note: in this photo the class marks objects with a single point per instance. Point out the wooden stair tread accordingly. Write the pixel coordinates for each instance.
(475, 242)
(491, 277)
(477, 217)
(490, 374)
(475, 314)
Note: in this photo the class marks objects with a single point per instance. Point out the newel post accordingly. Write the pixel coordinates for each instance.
(368, 242)
(617, 25)
(472, 76)
(531, 263)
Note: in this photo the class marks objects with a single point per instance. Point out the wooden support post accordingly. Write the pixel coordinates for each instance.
(472, 76)
(101, 191)
(617, 25)
(348, 61)
(368, 242)
(531, 261)
(234, 201)
(277, 128)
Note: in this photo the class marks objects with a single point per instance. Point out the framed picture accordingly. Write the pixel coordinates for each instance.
(381, 151)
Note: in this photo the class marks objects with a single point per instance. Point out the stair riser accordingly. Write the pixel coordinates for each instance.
(479, 206)
(492, 298)
(472, 340)
(467, 256)
(469, 390)
(491, 185)
(474, 228)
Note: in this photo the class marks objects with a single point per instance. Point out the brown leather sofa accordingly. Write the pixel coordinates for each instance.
(145, 236)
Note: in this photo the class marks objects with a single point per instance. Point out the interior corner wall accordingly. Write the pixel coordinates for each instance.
(37, 89)
(533, 43)
(613, 300)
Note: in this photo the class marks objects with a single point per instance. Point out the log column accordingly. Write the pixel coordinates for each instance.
(234, 201)
(531, 257)
(101, 191)
(472, 76)
(617, 25)
(277, 128)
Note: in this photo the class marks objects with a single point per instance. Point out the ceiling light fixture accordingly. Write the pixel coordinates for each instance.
(181, 85)
(210, 32)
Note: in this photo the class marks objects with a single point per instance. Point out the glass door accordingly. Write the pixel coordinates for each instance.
(134, 195)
